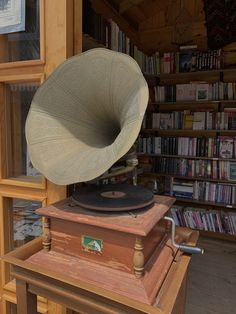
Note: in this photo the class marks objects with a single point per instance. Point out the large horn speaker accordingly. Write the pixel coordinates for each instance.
(86, 116)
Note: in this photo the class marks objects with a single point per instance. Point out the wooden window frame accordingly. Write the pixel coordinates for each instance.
(60, 38)
(41, 60)
(24, 181)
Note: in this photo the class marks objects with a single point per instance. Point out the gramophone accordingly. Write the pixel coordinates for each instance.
(85, 117)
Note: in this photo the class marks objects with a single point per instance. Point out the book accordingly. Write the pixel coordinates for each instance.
(185, 61)
(157, 145)
(226, 147)
(187, 47)
(204, 219)
(232, 171)
(185, 92)
(166, 121)
(231, 118)
(202, 92)
(199, 118)
(188, 121)
(156, 120)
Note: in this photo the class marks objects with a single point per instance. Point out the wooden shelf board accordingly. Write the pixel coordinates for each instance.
(184, 131)
(191, 76)
(227, 101)
(152, 80)
(185, 157)
(187, 102)
(193, 102)
(175, 78)
(212, 204)
(225, 182)
(186, 76)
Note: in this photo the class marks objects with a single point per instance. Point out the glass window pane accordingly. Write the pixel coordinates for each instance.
(24, 45)
(27, 224)
(18, 103)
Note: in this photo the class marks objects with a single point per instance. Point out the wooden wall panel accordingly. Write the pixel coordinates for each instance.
(159, 32)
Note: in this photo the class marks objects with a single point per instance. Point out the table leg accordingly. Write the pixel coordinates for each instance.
(26, 301)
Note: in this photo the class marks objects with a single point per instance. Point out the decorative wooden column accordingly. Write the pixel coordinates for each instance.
(138, 258)
(46, 234)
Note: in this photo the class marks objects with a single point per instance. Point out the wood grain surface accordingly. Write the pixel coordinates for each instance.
(138, 222)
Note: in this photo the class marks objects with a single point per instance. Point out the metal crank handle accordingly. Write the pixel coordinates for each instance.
(190, 249)
(182, 247)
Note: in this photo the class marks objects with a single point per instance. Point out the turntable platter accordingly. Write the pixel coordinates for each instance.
(118, 197)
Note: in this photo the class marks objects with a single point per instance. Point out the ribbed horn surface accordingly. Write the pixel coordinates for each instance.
(86, 116)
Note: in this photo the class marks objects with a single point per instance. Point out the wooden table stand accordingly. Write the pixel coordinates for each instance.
(105, 283)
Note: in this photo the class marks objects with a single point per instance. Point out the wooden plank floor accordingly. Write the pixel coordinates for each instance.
(212, 279)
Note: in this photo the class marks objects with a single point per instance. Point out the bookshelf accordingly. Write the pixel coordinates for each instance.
(187, 169)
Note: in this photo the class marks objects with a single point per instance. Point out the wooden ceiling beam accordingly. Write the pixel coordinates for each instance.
(125, 5)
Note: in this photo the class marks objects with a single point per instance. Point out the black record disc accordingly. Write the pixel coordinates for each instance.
(118, 197)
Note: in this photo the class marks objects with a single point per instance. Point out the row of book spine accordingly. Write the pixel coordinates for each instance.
(184, 61)
(189, 59)
(203, 219)
(192, 120)
(209, 169)
(189, 92)
(219, 147)
(203, 191)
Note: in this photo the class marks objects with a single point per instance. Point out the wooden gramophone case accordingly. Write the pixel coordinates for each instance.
(129, 253)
